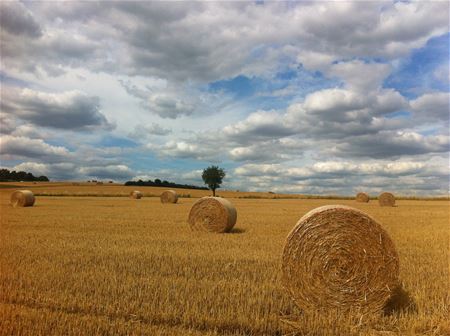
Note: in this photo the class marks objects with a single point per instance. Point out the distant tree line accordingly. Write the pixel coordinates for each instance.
(7, 176)
(159, 183)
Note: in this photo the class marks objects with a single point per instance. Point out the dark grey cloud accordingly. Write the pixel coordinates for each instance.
(66, 110)
(16, 19)
(432, 107)
(186, 41)
(391, 144)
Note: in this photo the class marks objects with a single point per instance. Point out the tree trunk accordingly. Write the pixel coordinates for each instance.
(214, 192)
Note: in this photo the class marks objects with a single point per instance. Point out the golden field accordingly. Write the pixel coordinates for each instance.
(85, 265)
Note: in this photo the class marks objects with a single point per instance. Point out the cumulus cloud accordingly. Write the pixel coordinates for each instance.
(119, 172)
(65, 110)
(432, 106)
(259, 125)
(184, 150)
(31, 148)
(7, 124)
(56, 171)
(348, 177)
(167, 106)
(359, 75)
(166, 57)
(144, 131)
(16, 19)
(186, 41)
(392, 144)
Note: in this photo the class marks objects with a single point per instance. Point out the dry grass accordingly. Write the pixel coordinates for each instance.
(97, 265)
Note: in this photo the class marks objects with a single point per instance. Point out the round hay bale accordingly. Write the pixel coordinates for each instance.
(136, 194)
(362, 197)
(386, 199)
(22, 198)
(212, 214)
(169, 196)
(338, 257)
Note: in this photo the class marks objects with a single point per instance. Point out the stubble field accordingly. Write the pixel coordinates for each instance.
(89, 265)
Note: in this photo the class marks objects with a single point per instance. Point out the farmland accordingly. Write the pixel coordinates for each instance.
(87, 260)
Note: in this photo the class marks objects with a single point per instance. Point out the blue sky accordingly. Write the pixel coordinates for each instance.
(298, 97)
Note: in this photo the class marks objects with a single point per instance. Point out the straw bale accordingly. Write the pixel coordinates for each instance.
(212, 214)
(22, 198)
(362, 197)
(386, 199)
(338, 257)
(169, 196)
(136, 194)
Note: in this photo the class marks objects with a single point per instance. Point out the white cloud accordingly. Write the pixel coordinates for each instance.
(60, 171)
(31, 148)
(260, 125)
(144, 131)
(361, 76)
(119, 172)
(348, 177)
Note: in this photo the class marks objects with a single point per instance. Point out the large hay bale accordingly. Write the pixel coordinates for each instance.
(136, 194)
(362, 197)
(386, 199)
(22, 198)
(337, 257)
(212, 214)
(169, 196)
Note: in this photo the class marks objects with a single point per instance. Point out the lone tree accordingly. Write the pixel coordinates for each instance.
(212, 176)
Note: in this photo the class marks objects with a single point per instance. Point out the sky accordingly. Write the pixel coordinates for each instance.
(316, 97)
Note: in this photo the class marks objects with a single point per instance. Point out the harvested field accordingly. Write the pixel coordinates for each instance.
(110, 265)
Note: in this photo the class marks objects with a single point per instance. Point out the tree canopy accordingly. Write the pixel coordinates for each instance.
(6, 175)
(213, 176)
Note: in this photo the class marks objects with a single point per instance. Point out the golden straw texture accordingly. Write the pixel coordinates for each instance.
(22, 198)
(136, 194)
(362, 197)
(338, 257)
(169, 196)
(212, 214)
(386, 199)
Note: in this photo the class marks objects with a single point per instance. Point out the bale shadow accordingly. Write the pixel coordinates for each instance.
(401, 301)
(237, 231)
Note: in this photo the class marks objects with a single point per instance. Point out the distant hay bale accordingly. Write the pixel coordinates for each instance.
(386, 199)
(136, 194)
(337, 257)
(362, 197)
(22, 198)
(99, 183)
(212, 214)
(169, 196)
